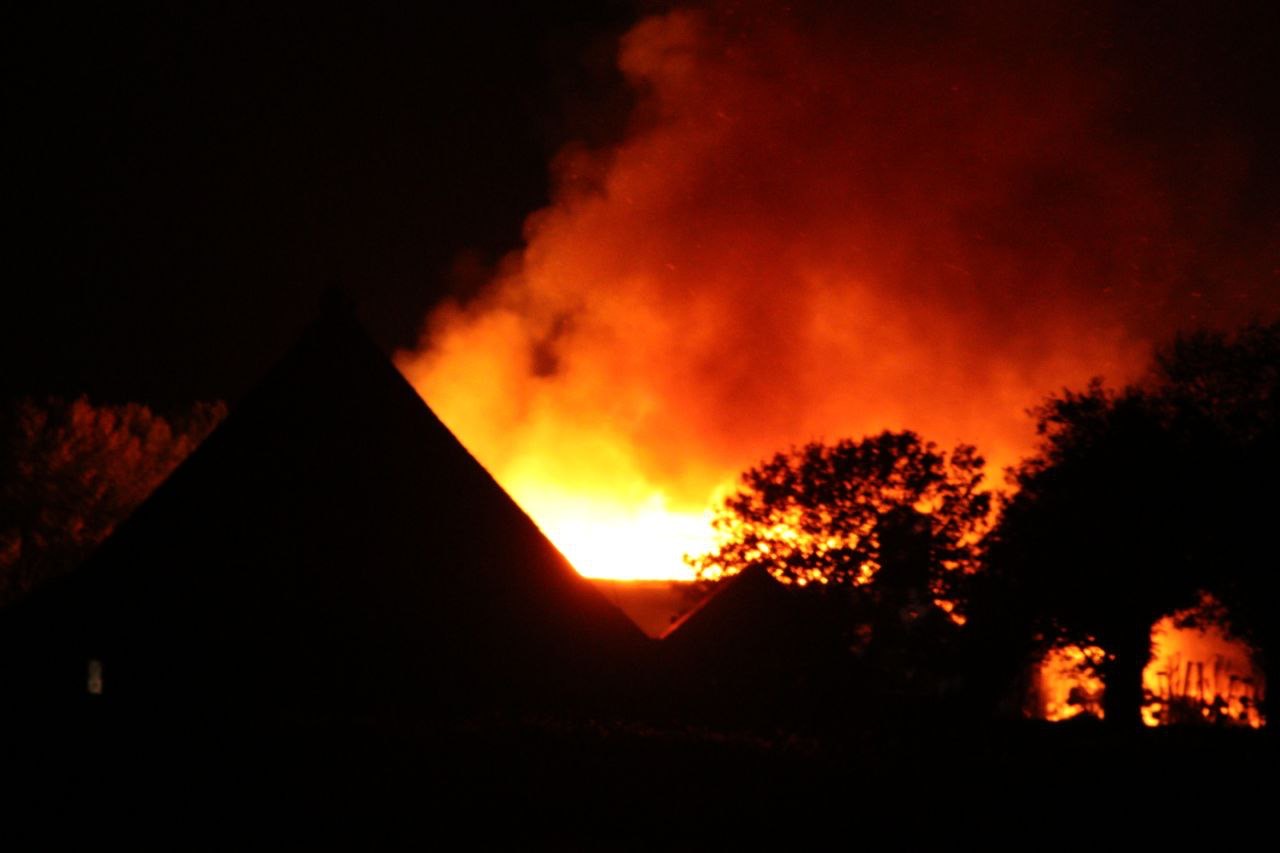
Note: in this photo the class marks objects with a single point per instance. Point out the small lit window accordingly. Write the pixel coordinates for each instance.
(94, 684)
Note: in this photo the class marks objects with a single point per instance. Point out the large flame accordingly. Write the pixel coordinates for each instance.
(824, 224)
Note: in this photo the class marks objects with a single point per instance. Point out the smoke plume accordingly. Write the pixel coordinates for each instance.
(824, 223)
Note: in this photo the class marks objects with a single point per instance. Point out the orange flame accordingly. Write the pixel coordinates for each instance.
(1200, 675)
(1197, 674)
(1068, 683)
(811, 230)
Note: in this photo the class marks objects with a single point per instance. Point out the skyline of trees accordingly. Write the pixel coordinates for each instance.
(1137, 502)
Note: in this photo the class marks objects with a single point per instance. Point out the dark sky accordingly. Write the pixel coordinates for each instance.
(185, 180)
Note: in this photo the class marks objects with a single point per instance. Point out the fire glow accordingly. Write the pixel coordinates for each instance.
(619, 540)
(1196, 675)
(1068, 684)
(1200, 675)
(811, 230)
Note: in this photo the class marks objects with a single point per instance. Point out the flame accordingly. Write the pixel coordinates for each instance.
(1200, 674)
(1068, 683)
(1197, 674)
(617, 539)
(821, 225)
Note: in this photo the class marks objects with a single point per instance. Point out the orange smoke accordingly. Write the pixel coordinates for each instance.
(816, 227)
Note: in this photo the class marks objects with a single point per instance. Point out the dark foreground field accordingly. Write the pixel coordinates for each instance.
(544, 783)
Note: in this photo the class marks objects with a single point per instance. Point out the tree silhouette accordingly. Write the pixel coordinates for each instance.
(1139, 499)
(838, 513)
(1224, 392)
(890, 521)
(72, 470)
(1086, 533)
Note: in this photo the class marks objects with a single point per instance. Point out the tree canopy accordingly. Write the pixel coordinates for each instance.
(1139, 499)
(838, 513)
(70, 471)
(1223, 392)
(892, 525)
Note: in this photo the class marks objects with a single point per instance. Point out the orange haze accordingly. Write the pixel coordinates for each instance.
(818, 226)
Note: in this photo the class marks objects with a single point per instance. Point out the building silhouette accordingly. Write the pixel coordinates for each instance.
(330, 549)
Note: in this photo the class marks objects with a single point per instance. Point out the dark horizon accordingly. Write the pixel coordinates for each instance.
(188, 177)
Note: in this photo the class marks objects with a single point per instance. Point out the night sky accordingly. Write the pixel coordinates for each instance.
(186, 179)
(184, 182)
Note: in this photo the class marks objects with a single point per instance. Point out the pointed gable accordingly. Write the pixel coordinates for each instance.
(747, 618)
(755, 646)
(333, 541)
